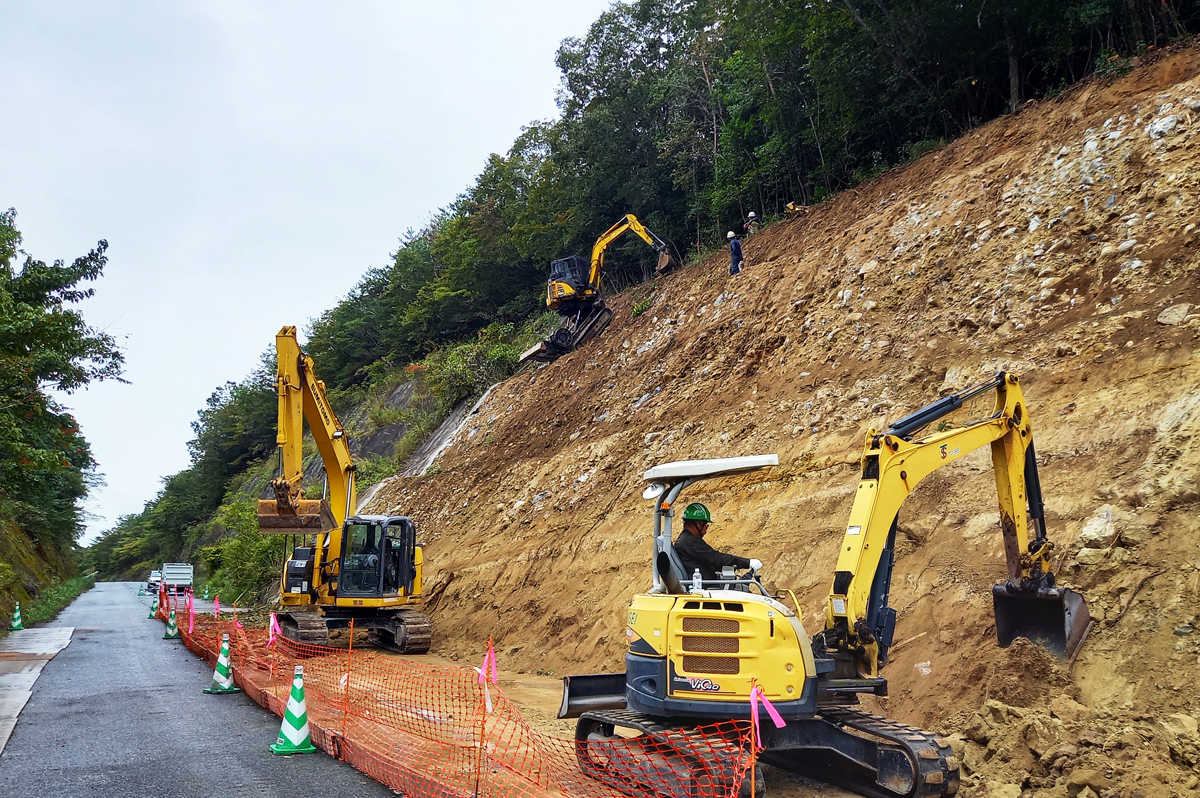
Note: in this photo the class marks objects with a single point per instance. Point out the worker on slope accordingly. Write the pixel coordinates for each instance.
(696, 555)
(752, 224)
(735, 253)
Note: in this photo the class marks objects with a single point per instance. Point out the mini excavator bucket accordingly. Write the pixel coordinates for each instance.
(1057, 619)
(307, 517)
(666, 262)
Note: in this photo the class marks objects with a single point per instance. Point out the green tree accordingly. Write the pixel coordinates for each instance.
(45, 463)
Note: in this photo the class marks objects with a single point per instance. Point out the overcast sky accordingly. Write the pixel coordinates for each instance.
(247, 162)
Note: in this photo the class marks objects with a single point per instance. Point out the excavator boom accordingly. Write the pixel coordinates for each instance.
(302, 397)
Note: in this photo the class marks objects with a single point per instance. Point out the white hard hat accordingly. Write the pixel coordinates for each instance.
(752, 215)
(729, 234)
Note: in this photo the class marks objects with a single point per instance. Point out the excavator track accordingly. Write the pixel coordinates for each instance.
(907, 763)
(855, 750)
(665, 759)
(407, 632)
(403, 631)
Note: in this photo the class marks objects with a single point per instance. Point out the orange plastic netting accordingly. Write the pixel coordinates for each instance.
(427, 730)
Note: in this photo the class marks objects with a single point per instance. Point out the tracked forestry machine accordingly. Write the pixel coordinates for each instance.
(576, 290)
(696, 647)
(360, 568)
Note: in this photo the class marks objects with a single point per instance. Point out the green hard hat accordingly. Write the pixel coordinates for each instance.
(696, 512)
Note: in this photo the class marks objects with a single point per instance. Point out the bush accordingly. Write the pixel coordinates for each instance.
(247, 562)
(52, 600)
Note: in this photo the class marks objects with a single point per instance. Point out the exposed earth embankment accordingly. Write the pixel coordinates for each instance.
(1058, 243)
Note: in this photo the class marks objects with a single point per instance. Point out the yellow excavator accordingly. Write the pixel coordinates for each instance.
(697, 647)
(576, 290)
(361, 568)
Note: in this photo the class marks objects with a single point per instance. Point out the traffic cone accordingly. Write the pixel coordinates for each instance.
(141, 590)
(206, 592)
(153, 609)
(222, 677)
(172, 632)
(16, 619)
(293, 733)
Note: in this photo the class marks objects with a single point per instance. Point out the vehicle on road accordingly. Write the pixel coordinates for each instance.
(153, 583)
(177, 575)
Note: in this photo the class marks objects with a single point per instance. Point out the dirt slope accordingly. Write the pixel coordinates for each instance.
(1059, 243)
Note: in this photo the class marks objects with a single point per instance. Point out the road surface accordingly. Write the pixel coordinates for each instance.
(121, 712)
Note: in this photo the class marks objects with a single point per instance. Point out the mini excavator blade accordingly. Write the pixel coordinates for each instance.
(1057, 619)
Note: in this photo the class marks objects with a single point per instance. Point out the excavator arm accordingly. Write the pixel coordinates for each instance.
(893, 464)
(302, 397)
(625, 225)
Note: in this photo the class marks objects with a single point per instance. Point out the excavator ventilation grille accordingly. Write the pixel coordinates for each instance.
(711, 625)
(711, 645)
(723, 665)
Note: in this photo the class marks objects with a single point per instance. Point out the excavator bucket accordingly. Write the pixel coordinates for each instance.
(1057, 619)
(666, 262)
(308, 517)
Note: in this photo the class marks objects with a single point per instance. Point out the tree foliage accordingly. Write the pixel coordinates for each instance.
(45, 463)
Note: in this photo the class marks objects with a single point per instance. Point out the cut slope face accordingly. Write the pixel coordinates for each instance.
(1058, 243)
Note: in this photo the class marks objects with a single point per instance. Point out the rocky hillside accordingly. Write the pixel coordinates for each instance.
(1058, 243)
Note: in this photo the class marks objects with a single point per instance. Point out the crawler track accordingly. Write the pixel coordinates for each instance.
(855, 750)
(404, 631)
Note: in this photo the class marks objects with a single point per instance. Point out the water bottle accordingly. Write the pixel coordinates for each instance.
(697, 582)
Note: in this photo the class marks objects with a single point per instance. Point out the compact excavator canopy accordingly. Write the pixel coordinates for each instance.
(704, 469)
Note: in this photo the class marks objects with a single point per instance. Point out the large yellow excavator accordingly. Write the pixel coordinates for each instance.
(361, 568)
(696, 647)
(576, 290)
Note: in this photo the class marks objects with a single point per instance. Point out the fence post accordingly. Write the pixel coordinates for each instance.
(346, 691)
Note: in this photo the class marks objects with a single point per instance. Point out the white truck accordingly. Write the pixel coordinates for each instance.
(177, 575)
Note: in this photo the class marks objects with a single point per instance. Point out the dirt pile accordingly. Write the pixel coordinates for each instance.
(1058, 243)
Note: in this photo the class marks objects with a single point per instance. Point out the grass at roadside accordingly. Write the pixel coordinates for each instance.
(53, 599)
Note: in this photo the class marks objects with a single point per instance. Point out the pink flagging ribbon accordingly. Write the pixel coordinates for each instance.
(217, 606)
(191, 607)
(489, 659)
(273, 630)
(756, 695)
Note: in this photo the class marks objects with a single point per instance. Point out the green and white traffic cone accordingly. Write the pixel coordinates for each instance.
(206, 592)
(293, 733)
(172, 632)
(153, 608)
(16, 619)
(223, 677)
(141, 590)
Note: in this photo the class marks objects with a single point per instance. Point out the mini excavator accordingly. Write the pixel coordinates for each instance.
(364, 569)
(576, 290)
(696, 648)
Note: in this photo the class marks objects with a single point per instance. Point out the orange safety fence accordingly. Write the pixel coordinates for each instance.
(433, 731)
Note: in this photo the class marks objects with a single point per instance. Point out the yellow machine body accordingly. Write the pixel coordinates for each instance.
(302, 397)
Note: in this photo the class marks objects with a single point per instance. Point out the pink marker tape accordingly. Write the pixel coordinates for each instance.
(273, 630)
(489, 661)
(756, 695)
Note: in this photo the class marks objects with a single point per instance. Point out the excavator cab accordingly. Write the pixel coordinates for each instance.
(378, 556)
(568, 278)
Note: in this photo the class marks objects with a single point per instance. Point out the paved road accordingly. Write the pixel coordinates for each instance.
(121, 712)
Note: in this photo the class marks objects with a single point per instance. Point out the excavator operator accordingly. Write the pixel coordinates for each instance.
(696, 555)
